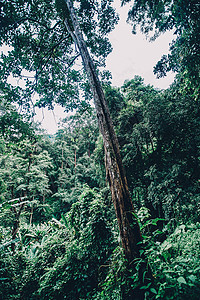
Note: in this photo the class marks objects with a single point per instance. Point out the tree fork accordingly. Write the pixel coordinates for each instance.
(128, 225)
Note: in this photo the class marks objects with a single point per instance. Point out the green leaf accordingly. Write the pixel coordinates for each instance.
(181, 280)
(145, 287)
(168, 246)
(155, 221)
(153, 291)
(192, 278)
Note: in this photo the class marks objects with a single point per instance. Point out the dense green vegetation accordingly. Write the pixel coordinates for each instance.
(59, 236)
(66, 246)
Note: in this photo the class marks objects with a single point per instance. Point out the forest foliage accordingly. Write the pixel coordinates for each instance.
(59, 237)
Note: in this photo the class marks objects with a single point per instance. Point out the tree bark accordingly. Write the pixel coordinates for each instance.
(15, 225)
(127, 221)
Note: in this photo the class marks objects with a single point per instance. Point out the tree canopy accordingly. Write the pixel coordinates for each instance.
(41, 52)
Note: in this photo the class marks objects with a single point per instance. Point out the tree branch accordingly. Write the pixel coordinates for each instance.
(33, 20)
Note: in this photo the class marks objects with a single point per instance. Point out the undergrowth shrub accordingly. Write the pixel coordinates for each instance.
(62, 259)
(175, 264)
(77, 258)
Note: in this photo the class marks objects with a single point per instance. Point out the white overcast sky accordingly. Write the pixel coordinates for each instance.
(132, 55)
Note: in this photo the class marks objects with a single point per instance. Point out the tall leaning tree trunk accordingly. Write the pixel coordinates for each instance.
(128, 225)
